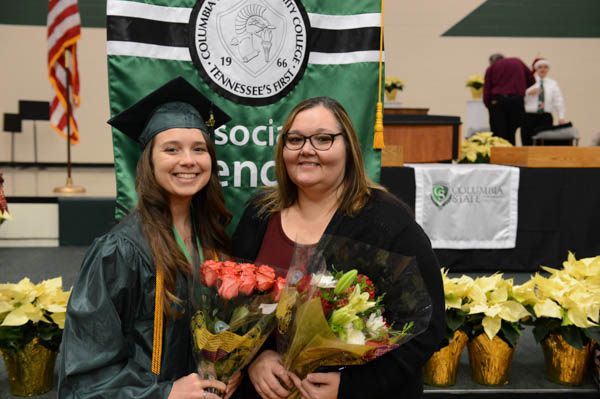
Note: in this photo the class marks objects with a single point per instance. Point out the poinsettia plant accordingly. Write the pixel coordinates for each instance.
(567, 302)
(29, 310)
(393, 84)
(455, 294)
(475, 81)
(491, 308)
(478, 147)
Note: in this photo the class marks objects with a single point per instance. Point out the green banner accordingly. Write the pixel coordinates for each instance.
(255, 60)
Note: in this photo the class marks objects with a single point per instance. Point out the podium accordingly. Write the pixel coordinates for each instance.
(424, 138)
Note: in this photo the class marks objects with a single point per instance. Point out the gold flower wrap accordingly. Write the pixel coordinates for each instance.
(314, 344)
(226, 351)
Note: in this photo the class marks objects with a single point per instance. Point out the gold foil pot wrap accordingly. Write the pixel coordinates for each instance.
(490, 360)
(476, 93)
(440, 370)
(565, 364)
(30, 370)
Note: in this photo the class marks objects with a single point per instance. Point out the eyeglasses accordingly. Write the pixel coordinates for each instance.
(319, 141)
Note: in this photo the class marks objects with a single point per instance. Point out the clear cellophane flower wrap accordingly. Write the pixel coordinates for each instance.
(305, 337)
(233, 314)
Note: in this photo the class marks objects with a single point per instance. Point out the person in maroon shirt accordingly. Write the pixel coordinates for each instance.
(506, 80)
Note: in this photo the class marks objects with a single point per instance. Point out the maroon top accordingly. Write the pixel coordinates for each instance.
(278, 250)
(507, 76)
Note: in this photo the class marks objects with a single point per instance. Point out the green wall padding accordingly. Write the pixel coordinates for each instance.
(34, 12)
(531, 18)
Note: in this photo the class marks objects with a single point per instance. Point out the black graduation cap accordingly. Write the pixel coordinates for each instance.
(175, 104)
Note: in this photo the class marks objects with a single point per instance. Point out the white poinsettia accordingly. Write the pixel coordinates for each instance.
(583, 269)
(24, 301)
(571, 294)
(455, 289)
(4, 215)
(480, 144)
(492, 296)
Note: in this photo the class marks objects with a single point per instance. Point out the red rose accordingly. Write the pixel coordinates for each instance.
(247, 267)
(229, 287)
(230, 268)
(247, 282)
(265, 277)
(210, 272)
(278, 288)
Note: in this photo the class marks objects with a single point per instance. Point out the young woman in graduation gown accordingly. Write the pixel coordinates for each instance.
(127, 331)
(322, 190)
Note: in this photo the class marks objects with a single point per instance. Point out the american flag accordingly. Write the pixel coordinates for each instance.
(64, 29)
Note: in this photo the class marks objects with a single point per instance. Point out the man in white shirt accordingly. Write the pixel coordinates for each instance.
(541, 99)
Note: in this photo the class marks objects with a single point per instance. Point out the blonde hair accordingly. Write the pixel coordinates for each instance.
(357, 185)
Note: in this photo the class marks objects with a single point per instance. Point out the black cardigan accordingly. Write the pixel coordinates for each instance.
(385, 222)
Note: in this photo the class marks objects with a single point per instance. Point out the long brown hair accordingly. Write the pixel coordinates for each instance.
(209, 218)
(357, 185)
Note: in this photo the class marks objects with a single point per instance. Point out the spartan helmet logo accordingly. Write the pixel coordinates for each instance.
(253, 32)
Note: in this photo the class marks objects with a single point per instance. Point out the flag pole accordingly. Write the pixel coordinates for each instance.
(69, 188)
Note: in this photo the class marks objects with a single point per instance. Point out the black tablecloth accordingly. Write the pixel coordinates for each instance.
(559, 211)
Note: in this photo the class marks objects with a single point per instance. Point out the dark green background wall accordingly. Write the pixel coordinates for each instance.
(531, 18)
(500, 18)
(34, 12)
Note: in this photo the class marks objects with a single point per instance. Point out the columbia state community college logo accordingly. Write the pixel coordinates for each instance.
(251, 52)
(440, 194)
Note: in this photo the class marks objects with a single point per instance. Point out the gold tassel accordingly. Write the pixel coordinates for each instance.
(378, 136)
(158, 324)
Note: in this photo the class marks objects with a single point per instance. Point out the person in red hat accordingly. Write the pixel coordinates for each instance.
(541, 99)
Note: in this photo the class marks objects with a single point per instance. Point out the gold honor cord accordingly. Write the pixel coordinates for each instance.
(159, 315)
(378, 136)
(158, 324)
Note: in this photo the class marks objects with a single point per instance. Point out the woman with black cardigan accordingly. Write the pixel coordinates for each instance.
(323, 190)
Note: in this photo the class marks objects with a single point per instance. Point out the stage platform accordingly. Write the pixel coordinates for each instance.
(527, 379)
(558, 212)
(44, 218)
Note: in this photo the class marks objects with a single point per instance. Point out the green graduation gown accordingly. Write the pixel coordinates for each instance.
(106, 350)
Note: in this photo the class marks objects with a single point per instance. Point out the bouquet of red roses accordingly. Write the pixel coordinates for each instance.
(352, 315)
(234, 314)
